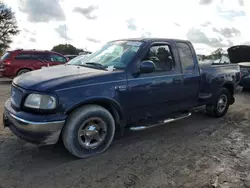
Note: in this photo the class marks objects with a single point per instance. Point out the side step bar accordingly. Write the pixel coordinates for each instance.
(140, 128)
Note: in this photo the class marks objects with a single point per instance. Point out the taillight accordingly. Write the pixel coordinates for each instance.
(6, 62)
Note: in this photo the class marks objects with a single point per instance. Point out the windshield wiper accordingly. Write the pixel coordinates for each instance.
(97, 65)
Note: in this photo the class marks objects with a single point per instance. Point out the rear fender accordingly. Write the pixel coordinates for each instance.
(230, 87)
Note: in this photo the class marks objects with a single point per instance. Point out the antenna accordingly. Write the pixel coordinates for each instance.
(66, 38)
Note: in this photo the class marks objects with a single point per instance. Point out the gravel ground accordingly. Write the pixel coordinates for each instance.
(196, 152)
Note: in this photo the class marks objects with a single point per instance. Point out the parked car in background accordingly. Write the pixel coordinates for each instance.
(70, 56)
(132, 83)
(241, 55)
(82, 57)
(17, 62)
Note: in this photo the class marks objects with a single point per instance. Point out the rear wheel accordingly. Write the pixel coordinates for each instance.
(22, 71)
(88, 131)
(220, 104)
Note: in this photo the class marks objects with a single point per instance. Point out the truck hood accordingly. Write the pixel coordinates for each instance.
(56, 77)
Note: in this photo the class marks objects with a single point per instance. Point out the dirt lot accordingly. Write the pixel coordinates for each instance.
(195, 152)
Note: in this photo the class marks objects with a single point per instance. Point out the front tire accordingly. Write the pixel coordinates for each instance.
(219, 107)
(88, 131)
(22, 71)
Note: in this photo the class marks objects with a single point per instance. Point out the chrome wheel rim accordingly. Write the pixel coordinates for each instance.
(222, 103)
(22, 72)
(92, 133)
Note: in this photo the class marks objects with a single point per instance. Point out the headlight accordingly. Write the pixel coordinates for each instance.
(38, 101)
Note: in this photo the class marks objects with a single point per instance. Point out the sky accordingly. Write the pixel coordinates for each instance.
(88, 24)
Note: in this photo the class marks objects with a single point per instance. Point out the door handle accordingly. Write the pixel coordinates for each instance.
(177, 81)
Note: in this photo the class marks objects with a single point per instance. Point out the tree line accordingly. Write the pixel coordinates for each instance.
(217, 54)
(8, 26)
(66, 49)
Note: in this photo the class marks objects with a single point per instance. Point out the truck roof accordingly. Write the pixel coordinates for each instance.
(152, 39)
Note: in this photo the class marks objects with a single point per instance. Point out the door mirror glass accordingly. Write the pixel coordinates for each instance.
(147, 66)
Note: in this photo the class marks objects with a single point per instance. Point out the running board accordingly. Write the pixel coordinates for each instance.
(140, 128)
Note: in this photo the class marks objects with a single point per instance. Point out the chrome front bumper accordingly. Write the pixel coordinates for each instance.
(44, 133)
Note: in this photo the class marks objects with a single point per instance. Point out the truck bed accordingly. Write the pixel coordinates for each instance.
(213, 75)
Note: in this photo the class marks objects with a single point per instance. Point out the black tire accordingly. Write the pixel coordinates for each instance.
(213, 108)
(74, 123)
(22, 71)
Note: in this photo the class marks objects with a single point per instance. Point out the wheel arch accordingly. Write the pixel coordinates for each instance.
(109, 104)
(23, 69)
(230, 87)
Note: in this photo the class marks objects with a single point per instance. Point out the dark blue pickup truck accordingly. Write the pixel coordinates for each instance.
(132, 83)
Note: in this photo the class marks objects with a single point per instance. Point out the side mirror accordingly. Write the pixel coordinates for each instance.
(147, 66)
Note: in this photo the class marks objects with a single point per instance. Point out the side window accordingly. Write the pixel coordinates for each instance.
(57, 58)
(40, 56)
(186, 56)
(23, 56)
(162, 57)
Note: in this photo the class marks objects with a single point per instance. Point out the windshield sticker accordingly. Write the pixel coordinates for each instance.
(132, 43)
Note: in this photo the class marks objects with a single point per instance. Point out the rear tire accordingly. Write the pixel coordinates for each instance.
(219, 107)
(22, 71)
(88, 131)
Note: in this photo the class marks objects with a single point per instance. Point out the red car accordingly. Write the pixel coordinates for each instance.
(17, 62)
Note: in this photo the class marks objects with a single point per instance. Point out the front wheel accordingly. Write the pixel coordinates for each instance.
(88, 131)
(220, 104)
(22, 71)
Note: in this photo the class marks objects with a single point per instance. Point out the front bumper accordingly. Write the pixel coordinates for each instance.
(39, 132)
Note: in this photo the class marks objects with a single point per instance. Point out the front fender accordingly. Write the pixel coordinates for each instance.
(100, 101)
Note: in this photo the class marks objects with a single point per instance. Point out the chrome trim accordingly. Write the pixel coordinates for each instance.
(34, 123)
(140, 128)
(51, 130)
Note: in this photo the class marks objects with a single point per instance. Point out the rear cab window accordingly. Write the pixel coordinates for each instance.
(186, 57)
(5, 56)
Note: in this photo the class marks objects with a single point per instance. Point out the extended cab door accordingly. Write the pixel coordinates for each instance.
(191, 74)
(153, 96)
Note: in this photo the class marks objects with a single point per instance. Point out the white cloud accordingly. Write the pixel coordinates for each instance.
(93, 22)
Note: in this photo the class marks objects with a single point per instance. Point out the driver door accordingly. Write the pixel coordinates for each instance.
(154, 95)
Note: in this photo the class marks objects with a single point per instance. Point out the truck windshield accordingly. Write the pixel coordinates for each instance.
(114, 54)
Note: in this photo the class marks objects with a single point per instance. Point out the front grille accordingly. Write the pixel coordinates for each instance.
(16, 96)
